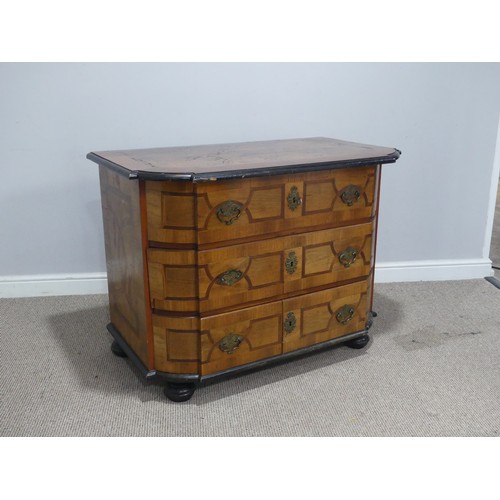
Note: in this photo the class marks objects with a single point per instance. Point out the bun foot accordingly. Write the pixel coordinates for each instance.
(358, 343)
(117, 350)
(179, 392)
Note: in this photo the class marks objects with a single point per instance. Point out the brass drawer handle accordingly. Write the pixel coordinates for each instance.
(344, 314)
(230, 343)
(350, 194)
(229, 278)
(289, 323)
(294, 199)
(291, 263)
(348, 256)
(229, 211)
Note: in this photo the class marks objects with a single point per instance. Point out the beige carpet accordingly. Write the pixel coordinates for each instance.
(432, 369)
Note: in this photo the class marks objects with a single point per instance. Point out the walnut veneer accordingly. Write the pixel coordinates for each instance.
(229, 257)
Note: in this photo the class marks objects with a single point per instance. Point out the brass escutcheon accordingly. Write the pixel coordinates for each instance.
(344, 314)
(230, 343)
(348, 256)
(294, 199)
(289, 323)
(229, 277)
(350, 194)
(291, 263)
(229, 211)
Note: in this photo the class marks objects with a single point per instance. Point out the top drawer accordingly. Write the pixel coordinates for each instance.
(223, 211)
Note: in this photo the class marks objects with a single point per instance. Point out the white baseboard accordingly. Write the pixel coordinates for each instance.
(53, 284)
(432, 270)
(385, 272)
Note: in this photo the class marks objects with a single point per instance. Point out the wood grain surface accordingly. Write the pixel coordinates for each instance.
(315, 315)
(265, 208)
(120, 200)
(208, 276)
(262, 266)
(261, 331)
(171, 212)
(177, 344)
(215, 161)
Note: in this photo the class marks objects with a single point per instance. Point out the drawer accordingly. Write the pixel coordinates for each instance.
(184, 344)
(171, 212)
(240, 274)
(176, 343)
(324, 315)
(240, 337)
(232, 210)
(173, 284)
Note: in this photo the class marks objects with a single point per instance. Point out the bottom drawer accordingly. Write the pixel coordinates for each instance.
(240, 337)
(324, 315)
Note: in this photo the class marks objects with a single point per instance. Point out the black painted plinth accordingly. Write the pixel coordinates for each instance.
(117, 350)
(179, 392)
(358, 343)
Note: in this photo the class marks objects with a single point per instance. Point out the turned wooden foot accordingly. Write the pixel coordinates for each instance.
(358, 343)
(117, 350)
(179, 392)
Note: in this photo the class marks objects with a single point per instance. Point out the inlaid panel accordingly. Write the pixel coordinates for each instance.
(233, 276)
(240, 274)
(176, 342)
(172, 280)
(171, 212)
(324, 315)
(330, 256)
(240, 337)
(232, 210)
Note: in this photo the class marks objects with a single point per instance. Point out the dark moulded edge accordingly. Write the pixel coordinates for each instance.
(494, 281)
(137, 174)
(194, 378)
(245, 173)
(145, 372)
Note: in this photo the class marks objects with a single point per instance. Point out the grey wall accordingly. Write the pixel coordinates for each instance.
(443, 117)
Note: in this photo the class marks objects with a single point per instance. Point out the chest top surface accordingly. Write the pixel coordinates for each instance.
(241, 160)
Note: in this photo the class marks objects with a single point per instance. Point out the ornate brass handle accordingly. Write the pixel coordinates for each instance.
(229, 211)
(348, 256)
(294, 199)
(291, 263)
(345, 314)
(289, 323)
(229, 278)
(230, 343)
(350, 194)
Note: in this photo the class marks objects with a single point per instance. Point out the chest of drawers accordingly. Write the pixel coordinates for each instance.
(231, 257)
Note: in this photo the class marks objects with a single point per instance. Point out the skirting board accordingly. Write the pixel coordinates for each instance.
(433, 270)
(385, 272)
(53, 284)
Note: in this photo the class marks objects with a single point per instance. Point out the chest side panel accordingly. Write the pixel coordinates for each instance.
(120, 199)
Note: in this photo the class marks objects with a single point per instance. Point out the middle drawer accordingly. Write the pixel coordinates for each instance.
(236, 275)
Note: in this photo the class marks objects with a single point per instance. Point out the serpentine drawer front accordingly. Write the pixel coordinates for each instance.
(211, 213)
(230, 257)
(246, 273)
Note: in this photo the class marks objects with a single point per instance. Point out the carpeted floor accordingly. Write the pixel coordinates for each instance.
(432, 369)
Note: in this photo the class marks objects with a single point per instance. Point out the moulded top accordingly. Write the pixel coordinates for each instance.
(244, 159)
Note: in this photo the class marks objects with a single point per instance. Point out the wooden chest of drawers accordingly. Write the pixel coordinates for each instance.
(230, 257)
